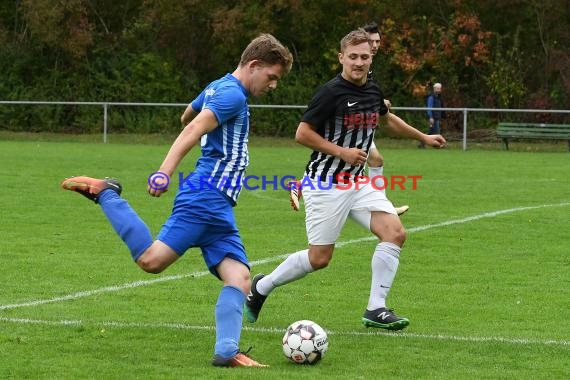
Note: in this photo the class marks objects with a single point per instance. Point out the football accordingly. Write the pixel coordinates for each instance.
(305, 342)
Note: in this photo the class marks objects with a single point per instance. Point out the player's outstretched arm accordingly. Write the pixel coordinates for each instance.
(399, 127)
(203, 123)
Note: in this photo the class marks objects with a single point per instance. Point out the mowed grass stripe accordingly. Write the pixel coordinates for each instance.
(116, 288)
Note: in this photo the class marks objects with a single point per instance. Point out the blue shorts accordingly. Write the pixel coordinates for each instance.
(205, 219)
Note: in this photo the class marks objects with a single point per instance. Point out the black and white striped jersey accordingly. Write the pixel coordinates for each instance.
(346, 115)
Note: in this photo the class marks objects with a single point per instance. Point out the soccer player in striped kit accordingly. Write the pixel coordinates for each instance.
(202, 216)
(338, 126)
(375, 160)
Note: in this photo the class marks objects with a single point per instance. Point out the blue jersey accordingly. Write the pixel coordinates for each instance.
(224, 150)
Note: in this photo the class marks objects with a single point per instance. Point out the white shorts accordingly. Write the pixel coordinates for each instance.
(327, 210)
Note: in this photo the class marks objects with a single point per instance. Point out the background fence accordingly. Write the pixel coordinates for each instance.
(461, 116)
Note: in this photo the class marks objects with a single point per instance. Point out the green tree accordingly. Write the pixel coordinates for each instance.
(165, 50)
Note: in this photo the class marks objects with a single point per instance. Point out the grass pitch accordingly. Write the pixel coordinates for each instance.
(483, 277)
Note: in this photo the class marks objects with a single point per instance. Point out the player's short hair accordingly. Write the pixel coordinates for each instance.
(356, 37)
(268, 50)
(371, 27)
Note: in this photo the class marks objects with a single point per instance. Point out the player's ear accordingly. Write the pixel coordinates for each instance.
(253, 64)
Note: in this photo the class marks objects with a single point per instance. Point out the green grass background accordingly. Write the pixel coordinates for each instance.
(487, 298)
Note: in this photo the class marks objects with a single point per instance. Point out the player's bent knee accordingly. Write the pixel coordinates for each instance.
(242, 283)
(319, 264)
(320, 256)
(157, 258)
(150, 266)
(234, 273)
(399, 236)
(151, 263)
(319, 261)
(396, 236)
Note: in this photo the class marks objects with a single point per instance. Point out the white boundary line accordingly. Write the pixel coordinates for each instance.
(136, 284)
(183, 326)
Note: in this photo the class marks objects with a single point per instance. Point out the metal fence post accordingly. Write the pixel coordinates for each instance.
(105, 123)
(465, 129)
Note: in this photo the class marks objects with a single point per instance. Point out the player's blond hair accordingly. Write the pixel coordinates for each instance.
(356, 37)
(268, 50)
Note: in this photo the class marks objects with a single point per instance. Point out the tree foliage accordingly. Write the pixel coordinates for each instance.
(513, 53)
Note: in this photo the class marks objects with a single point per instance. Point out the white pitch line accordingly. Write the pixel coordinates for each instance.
(275, 330)
(460, 221)
(130, 285)
(107, 289)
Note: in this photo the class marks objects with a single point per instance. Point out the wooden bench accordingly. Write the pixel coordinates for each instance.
(508, 131)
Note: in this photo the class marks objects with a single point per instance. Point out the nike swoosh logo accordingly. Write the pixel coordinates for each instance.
(385, 287)
(350, 104)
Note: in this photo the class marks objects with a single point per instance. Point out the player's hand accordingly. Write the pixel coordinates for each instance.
(155, 192)
(353, 156)
(158, 183)
(437, 141)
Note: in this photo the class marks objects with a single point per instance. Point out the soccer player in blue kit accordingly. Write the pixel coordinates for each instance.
(202, 214)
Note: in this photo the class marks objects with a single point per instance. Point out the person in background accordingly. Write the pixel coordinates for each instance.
(434, 101)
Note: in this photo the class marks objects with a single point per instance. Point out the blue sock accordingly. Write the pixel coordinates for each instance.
(229, 317)
(128, 225)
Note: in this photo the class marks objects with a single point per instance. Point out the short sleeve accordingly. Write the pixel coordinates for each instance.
(321, 108)
(225, 102)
